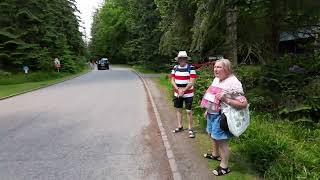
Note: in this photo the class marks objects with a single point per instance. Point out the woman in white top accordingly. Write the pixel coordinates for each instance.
(225, 90)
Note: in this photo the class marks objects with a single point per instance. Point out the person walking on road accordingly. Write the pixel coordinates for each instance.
(57, 64)
(183, 78)
(92, 64)
(225, 90)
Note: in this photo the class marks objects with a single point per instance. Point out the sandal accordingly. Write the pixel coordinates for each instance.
(219, 171)
(178, 129)
(191, 134)
(210, 156)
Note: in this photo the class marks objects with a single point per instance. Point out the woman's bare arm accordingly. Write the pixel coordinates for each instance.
(239, 103)
(236, 103)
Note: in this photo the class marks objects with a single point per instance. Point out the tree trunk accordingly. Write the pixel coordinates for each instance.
(317, 41)
(273, 34)
(231, 37)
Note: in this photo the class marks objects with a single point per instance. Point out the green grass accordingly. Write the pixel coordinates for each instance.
(281, 149)
(20, 78)
(18, 83)
(271, 148)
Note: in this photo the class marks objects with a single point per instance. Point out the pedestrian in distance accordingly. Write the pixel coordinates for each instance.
(226, 90)
(57, 64)
(91, 63)
(25, 69)
(183, 78)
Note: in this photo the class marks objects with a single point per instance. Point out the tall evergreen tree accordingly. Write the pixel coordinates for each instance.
(34, 32)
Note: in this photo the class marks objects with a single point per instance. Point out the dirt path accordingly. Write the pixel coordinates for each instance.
(190, 163)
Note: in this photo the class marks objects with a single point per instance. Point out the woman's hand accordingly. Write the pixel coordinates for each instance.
(222, 97)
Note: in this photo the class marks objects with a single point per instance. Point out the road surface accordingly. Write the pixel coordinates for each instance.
(97, 126)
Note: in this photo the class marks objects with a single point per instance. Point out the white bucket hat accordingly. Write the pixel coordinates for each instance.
(182, 54)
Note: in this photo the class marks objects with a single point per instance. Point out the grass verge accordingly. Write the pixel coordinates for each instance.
(18, 83)
(271, 148)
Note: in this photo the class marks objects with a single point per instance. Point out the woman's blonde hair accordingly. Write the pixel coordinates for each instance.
(226, 65)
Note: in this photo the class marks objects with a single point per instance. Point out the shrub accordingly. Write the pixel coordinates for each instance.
(294, 91)
(5, 74)
(258, 97)
(204, 80)
(248, 75)
(280, 149)
(289, 87)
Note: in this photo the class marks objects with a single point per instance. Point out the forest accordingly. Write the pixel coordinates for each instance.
(246, 31)
(33, 33)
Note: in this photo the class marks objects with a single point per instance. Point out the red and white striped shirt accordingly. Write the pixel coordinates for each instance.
(182, 77)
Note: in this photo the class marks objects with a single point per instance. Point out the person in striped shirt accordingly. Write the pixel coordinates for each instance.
(183, 77)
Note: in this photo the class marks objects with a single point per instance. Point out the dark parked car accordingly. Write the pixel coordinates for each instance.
(103, 63)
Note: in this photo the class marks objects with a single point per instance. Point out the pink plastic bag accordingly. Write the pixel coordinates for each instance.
(210, 96)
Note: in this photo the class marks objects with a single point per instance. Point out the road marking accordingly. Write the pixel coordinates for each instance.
(173, 165)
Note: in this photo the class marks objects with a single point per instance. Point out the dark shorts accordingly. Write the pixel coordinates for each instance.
(178, 102)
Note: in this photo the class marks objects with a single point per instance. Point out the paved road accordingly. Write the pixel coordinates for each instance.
(96, 126)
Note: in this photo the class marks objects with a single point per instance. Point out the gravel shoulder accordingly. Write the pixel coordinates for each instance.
(189, 159)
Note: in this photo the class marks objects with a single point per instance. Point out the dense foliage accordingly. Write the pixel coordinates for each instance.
(34, 32)
(142, 32)
(289, 88)
(126, 31)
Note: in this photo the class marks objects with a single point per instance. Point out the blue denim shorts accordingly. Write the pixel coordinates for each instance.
(213, 128)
